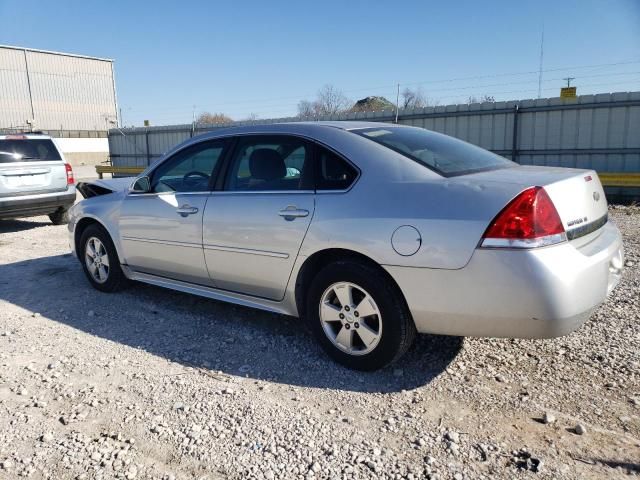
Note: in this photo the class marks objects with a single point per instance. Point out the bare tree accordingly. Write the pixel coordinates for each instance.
(329, 101)
(252, 117)
(416, 98)
(206, 118)
(306, 109)
(481, 99)
(332, 101)
(413, 98)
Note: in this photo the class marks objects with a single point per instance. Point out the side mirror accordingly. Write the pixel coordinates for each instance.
(141, 185)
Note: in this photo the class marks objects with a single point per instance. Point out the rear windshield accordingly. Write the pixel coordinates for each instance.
(441, 153)
(27, 150)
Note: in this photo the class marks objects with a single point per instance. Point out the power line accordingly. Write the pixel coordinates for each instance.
(290, 111)
(479, 87)
(447, 80)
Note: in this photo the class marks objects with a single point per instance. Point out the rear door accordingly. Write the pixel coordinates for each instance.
(30, 166)
(253, 229)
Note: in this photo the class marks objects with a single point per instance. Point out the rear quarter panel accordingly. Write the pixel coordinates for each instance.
(450, 214)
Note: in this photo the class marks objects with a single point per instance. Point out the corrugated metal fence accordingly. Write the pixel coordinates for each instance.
(592, 131)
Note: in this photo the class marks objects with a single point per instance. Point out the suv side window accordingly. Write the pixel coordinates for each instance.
(267, 163)
(189, 170)
(333, 172)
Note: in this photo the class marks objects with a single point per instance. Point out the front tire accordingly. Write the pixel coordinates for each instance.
(358, 315)
(100, 260)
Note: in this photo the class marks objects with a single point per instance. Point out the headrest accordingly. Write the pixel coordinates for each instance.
(267, 164)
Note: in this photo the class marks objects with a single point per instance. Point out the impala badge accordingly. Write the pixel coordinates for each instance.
(576, 221)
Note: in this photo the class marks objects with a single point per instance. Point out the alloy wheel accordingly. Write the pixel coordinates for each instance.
(97, 260)
(350, 318)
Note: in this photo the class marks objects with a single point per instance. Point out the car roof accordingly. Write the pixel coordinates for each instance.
(302, 128)
(347, 124)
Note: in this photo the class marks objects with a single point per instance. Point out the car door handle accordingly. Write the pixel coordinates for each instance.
(292, 212)
(185, 210)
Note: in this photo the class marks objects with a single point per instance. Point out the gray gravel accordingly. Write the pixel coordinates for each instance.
(150, 383)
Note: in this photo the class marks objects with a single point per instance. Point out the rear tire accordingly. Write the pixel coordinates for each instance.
(60, 216)
(371, 338)
(100, 260)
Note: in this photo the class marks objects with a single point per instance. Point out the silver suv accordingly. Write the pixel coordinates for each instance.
(35, 179)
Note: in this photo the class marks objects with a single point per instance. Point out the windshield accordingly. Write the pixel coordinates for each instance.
(441, 153)
(27, 150)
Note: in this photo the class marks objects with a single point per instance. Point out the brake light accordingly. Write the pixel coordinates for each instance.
(70, 179)
(529, 220)
(15, 137)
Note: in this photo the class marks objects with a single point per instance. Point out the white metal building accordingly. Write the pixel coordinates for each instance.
(56, 91)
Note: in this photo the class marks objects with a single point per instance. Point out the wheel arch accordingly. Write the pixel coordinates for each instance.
(80, 228)
(315, 262)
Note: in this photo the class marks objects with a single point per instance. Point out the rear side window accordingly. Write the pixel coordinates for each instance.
(443, 154)
(27, 150)
(333, 172)
(270, 164)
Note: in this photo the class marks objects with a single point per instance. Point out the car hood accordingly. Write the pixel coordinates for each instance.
(94, 188)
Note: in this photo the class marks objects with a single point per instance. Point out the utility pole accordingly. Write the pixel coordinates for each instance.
(540, 67)
(397, 102)
(193, 121)
(568, 79)
(26, 68)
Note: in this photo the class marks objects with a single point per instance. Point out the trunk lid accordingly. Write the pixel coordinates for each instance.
(577, 194)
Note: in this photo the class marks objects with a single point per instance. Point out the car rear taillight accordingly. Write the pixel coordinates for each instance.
(529, 220)
(70, 179)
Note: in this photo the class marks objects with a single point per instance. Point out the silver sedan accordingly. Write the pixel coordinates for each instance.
(370, 232)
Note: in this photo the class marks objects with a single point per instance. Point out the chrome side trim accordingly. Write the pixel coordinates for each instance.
(163, 242)
(249, 251)
(208, 292)
(159, 194)
(261, 192)
(227, 192)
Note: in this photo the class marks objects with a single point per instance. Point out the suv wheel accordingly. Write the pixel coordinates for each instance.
(100, 260)
(60, 216)
(358, 316)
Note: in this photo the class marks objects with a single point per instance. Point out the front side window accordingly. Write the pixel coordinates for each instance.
(270, 163)
(189, 170)
(441, 153)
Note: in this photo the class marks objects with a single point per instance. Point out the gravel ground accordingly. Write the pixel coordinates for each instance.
(150, 383)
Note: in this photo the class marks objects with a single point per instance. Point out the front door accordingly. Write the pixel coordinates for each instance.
(161, 231)
(254, 228)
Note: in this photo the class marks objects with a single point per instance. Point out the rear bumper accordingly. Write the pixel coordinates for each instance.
(25, 206)
(538, 293)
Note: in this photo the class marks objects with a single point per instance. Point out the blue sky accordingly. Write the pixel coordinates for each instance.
(262, 57)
